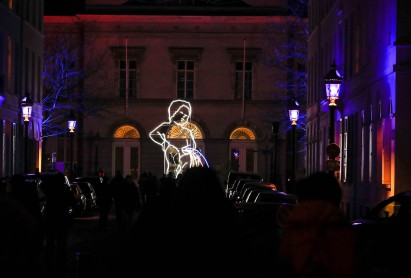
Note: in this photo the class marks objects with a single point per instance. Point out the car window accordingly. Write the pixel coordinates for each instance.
(390, 210)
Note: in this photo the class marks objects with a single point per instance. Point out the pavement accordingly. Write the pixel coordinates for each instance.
(91, 251)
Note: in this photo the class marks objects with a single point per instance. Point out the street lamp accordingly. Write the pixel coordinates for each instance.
(275, 128)
(26, 108)
(293, 112)
(332, 81)
(71, 121)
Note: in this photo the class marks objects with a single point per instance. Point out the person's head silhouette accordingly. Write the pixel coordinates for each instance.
(319, 186)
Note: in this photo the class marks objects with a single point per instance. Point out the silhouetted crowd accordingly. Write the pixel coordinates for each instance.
(26, 229)
(183, 227)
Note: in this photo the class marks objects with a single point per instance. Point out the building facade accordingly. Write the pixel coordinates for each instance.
(21, 64)
(369, 41)
(214, 58)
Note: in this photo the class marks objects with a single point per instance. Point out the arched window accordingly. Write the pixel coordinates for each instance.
(176, 132)
(242, 133)
(126, 131)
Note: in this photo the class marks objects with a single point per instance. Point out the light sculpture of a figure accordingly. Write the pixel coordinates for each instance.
(178, 158)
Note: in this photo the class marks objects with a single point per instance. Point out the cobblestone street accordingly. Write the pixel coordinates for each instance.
(92, 252)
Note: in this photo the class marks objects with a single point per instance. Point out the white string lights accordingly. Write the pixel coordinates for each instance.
(186, 155)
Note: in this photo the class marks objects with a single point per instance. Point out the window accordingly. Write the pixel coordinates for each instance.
(185, 79)
(131, 70)
(344, 151)
(243, 60)
(370, 152)
(243, 150)
(127, 62)
(186, 61)
(9, 65)
(243, 73)
(362, 145)
(387, 147)
(126, 151)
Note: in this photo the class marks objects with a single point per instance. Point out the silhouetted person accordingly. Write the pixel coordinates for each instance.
(148, 185)
(27, 194)
(167, 188)
(149, 238)
(205, 224)
(58, 221)
(19, 244)
(104, 202)
(121, 189)
(205, 232)
(190, 230)
(319, 242)
(132, 200)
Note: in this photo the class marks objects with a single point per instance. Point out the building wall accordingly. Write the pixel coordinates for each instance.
(371, 53)
(21, 60)
(215, 110)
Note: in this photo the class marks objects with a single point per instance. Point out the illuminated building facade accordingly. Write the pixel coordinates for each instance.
(213, 57)
(369, 41)
(21, 63)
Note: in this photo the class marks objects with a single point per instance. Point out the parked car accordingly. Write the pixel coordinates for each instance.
(385, 236)
(268, 210)
(38, 180)
(35, 180)
(237, 187)
(95, 182)
(234, 175)
(80, 207)
(90, 195)
(251, 186)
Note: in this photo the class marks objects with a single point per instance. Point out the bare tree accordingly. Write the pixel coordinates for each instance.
(63, 76)
(290, 55)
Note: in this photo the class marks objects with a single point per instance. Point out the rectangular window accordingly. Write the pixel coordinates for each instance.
(243, 73)
(370, 152)
(362, 145)
(3, 149)
(250, 160)
(344, 151)
(9, 64)
(185, 79)
(33, 74)
(134, 161)
(387, 143)
(38, 98)
(14, 148)
(26, 70)
(118, 159)
(235, 159)
(129, 73)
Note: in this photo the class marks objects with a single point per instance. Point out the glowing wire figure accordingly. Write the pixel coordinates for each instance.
(179, 115)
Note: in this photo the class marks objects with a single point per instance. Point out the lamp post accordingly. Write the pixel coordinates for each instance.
(332, 81)
(293, 112)
(275, 127)
(26, 108)
(71, 121)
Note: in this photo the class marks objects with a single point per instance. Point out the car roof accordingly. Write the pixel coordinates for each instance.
(234, 175)
(275, 196)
